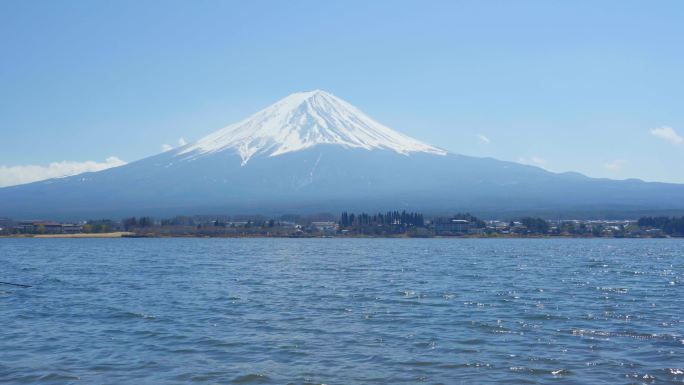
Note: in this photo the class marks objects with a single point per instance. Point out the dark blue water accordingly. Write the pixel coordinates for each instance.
(334, 311)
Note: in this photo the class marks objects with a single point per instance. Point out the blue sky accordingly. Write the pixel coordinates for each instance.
(575, 85)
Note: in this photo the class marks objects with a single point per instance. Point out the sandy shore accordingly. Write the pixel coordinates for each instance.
(118, 234)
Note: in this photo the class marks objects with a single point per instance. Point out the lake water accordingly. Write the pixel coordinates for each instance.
(342, 311)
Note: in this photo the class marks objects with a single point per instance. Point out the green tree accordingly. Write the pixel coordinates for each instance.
(536, 225)
(130, 223)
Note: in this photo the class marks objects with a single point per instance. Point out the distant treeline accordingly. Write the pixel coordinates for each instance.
(135, 223)
(390, 223)
(389, 218)
(670, 226)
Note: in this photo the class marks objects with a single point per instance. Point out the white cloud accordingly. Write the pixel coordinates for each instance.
(615, 165)
(13, 175)
(533, 161)
(538, 160)
(167, 147)
(483, 139)
(667, 133)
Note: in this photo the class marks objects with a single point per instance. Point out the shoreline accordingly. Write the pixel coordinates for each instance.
(124, 234)
(118, 234)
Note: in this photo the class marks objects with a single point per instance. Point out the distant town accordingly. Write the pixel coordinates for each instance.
(388, 224)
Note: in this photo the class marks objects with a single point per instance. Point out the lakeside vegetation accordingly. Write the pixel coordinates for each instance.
(670, 226)
(348, 224)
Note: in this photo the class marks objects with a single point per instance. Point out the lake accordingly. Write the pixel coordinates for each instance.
(342, 311)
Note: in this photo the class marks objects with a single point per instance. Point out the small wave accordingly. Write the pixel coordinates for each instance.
(252, 378)
(132, 315)
(421, 363)
(621, 290)
(629, 334)
(58, 377)
(645, 378)
(534, 371)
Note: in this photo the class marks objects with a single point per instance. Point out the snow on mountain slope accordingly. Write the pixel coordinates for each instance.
(300, 121)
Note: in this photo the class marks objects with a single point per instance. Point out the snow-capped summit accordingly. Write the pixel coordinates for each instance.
(303, 120)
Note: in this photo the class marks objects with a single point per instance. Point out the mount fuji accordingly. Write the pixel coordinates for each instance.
(313, 152)
(302, 121)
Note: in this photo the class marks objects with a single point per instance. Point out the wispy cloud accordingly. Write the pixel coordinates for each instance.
(615, 165)
(538, 160)
(14, 175)
(483, 139)
(534, 161)
(167, 147)
(667, 133)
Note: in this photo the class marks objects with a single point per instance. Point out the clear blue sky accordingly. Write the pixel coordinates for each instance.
(573, 85)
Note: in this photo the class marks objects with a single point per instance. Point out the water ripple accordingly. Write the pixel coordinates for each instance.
(334, 311)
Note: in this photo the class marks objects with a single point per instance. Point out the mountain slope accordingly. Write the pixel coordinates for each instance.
(312, 152)
(301, 121)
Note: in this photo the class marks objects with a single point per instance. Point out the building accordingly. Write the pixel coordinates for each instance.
(70, 228)
(6, 225)
(45, 227)
(25, 226)
(452, 227)
(327, 227)
(50, 227)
